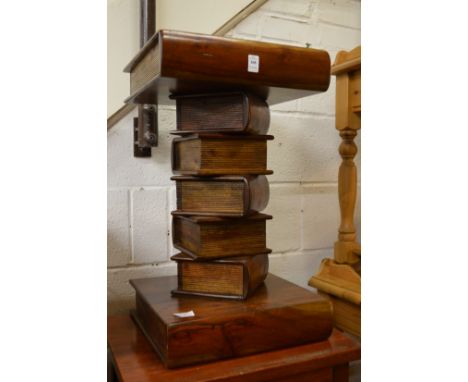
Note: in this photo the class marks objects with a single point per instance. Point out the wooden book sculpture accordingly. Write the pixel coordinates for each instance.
(223, 302)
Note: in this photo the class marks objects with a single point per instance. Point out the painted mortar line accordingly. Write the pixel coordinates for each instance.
(288, 17)
(136, 187)
(302, 114)
(325, 22)
(170, 264)
(306, 183)
(156, 265)
(309, 252)
(130, 225)
(168, 224)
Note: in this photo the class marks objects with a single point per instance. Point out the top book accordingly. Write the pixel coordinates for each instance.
(177, 63)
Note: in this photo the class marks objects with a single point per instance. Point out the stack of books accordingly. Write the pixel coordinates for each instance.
(221, 162)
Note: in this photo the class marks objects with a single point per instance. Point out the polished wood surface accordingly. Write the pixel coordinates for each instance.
(135, 360)
(340, 279)
(222, 113)
(347, 250)
(347, 68)
(185, 63)
(206, 237)
(232, 277)
(221, 196)
(279, 314)
(217, 154)
(346, 314)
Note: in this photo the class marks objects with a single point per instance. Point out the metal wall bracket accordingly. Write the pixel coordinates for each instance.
(145, 131)
(145, 127)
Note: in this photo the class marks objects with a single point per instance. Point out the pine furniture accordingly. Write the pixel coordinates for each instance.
(340, 278)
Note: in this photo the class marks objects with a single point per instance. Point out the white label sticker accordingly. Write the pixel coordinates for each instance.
(253, 63)
(185, 314)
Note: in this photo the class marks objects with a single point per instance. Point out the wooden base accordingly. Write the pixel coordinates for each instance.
(134, 359)
(278, 315)
(346, 315)
(341, 284)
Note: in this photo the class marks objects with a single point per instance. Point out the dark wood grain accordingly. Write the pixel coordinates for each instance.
(135, 360)
(233, 277)
(188, 63)
(217, 154)
(279, 314)
(206, 237)
(221, 196)
(222, 113)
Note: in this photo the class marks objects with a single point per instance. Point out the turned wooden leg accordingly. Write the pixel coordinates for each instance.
(346, 248)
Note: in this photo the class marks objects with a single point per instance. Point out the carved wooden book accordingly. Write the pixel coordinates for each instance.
(174, 62)
(278, 315)
(221, 196)
(232, 277)
(216, 154)
(205, 237)
(134, 360)
(222, 113)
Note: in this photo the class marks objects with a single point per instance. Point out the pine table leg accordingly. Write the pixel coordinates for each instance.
(346, 249)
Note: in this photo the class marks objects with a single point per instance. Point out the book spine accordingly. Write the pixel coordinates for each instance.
(255, 272)
(222, 113)
(216, 155)
(259, 116)
(258, 190)
(204, 278)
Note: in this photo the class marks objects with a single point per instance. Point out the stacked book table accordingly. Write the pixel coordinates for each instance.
(223, 303)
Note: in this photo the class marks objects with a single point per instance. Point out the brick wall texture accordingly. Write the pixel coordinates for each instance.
(304, 157)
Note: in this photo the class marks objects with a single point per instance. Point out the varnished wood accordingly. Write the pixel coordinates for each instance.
(346, 314)
(347, 61)
(232, 277)
(221, 196)
(135, 360)
(187, 63)
(278, 315)
(206, 237)
(221, 31)
(341, 373)
(347, 250)
(217, 154)
(340, 279)
(347, 68)
(342, 286)
(222, 113)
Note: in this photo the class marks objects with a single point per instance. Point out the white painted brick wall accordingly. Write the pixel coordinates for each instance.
(303, 156)
(149, 225)
(118, 228)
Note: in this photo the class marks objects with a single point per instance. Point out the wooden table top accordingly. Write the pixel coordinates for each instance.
(136, 361)
(174, 62)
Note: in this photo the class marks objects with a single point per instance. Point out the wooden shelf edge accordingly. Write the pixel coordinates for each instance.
(347, 61)
(339, 280)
